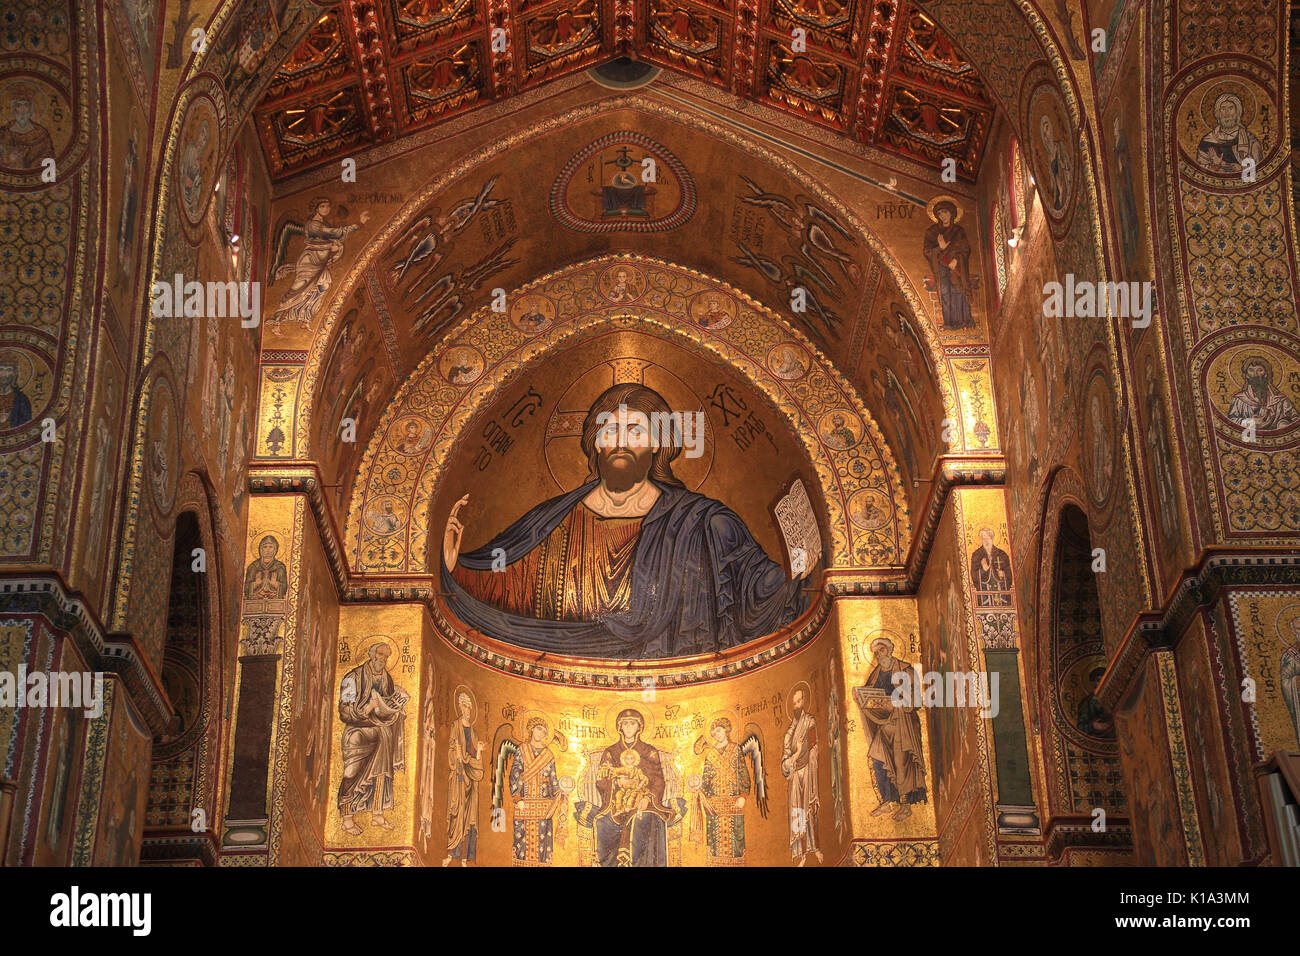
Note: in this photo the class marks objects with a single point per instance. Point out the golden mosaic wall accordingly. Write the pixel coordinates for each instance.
(447, 787)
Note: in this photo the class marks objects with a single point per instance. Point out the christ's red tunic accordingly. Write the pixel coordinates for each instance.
(580, 572)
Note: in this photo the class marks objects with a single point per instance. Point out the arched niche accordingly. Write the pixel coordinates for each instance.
(1079, 742)
(194, 670)
(847, 467)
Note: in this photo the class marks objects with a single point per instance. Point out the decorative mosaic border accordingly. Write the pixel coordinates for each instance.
(449, 416)
(1179, 759)
(242, 859)
(917, 853)
(1063, 838)
(69, 615)
(619, 675)
(179, 850)
(402, 857)
(92, 780)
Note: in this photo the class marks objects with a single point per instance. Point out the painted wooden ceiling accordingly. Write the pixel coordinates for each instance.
(877, 71)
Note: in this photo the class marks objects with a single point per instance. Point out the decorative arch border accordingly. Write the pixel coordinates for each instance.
(618, 675)
(1065, 488)
(344, 288)
(167, 233)
(508, 351)
(1051, 565)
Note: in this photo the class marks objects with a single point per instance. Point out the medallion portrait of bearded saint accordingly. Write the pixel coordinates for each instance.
(629, 566)
(1259, 400)
(1226, 147)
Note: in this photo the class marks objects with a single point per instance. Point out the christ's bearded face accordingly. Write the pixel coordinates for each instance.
(624, 454)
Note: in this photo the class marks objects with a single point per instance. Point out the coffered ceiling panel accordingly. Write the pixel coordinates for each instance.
(877, 71)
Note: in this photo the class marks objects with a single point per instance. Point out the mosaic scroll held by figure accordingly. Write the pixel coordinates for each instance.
(630, 565)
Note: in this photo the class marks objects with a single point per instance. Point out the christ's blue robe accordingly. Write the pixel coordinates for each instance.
(700, 584)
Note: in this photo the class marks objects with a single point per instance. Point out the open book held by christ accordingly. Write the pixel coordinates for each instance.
(629, 566)
(798, 523)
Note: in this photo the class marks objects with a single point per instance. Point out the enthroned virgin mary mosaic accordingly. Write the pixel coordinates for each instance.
(630, 565)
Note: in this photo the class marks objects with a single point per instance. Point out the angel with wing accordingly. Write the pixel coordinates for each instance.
(729, 774)
(539, 796)
(322, 247)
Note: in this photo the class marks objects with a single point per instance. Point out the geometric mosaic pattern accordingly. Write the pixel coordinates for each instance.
(877, 71)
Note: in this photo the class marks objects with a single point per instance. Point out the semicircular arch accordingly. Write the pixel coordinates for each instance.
(448, 409)
(381, 243)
